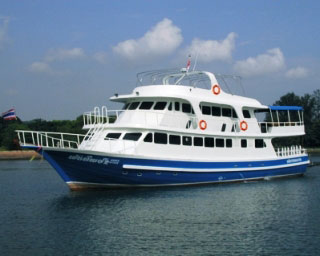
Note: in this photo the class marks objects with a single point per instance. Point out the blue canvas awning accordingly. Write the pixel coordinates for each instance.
(296, 108)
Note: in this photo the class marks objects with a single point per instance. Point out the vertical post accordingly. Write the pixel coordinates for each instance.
(278, 117)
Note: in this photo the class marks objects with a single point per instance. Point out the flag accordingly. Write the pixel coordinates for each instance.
(188, 63)
(9, 115)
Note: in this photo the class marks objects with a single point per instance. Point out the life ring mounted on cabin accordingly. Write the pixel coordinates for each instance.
(203, 125)
(243, 125)
(216, 89)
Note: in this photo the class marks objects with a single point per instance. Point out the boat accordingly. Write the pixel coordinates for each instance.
(177, 127)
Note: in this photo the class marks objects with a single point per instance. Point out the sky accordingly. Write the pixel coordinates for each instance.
(61, 58)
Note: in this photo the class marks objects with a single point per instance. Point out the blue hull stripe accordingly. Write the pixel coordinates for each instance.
(89, 170)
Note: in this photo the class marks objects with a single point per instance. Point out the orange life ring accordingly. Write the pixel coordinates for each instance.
(216, 89)
(243, 125)
(203, 125)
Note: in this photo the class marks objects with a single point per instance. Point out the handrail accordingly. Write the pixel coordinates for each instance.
(110, 116)
(294, 150)
(49, 139)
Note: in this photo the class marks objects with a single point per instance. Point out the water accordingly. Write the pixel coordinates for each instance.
(40, 216)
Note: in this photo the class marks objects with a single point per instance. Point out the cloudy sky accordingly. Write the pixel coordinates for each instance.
(59, 59)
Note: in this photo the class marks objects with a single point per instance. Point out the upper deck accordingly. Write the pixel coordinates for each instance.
(176, 100)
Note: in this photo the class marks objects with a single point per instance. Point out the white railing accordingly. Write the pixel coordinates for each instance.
(49, 139)
(138, 118)
(291, 151)
(266, 127)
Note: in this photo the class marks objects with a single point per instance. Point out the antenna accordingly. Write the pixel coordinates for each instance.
(195, 62)
(188, 63)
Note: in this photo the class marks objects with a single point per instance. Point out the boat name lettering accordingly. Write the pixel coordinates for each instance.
(295, 160)
(91, 159)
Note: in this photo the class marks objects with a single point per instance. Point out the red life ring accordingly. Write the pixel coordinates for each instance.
(243, 125)
(216, 89)
(203, 125)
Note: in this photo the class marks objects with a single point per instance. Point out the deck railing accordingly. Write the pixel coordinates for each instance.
(290, 151)
(141, 117)
(266, 127)
(49, 139)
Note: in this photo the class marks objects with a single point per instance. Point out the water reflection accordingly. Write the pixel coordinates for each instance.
(41, 216)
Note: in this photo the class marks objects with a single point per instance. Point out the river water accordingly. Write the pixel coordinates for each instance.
(40, 216)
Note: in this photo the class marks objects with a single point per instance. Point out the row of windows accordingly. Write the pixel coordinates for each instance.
(164, 138)
(222, 111)
(185, 108)
(160, 105)
(218, 111)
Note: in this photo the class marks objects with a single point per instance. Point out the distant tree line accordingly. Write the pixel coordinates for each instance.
(309, 102)
(8, 137)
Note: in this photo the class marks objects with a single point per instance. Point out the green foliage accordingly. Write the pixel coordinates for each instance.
(8, 137)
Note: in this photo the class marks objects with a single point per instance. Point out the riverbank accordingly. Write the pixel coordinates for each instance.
(19, 155)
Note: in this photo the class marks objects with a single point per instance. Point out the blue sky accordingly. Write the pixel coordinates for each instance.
(59, 59)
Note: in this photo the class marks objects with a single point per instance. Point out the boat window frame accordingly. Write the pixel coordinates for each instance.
(162, 107)
(136, 136)
(149, 107)
(112, 138)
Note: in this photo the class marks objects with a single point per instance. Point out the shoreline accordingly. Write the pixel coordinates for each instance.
(19, 155)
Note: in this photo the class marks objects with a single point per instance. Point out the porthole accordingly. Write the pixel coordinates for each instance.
(139, 174)
(124, 172)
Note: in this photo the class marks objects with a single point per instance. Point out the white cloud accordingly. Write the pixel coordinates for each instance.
(3, 30)
(100, 57)
(298, 72)
(162, 39)
(40, 67)
(210, 50)
(64, 54)
(269, 62)
(54, 55)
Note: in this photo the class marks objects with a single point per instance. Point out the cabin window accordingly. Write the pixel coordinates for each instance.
(148, 137)
(175, 139)
(216, 111)
(223, 128)
(206, 110)
(226, 112)
(219, 143)
(132, 136)
(234, 114)
(177, 106)
(243, 143)
(208, 142)
(186, 108)
(146, 105)
(161, 105)
(170, 106)
(198, 141)
(186, 140)
(113, 135)
(246, 113)
(160, 138)
(125, 106)
(229, 143)
(134, 105)
(259, 143)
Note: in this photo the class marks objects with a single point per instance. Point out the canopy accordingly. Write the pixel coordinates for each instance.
(285, 108)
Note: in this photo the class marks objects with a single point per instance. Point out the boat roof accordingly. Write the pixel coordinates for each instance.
(285, 108)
